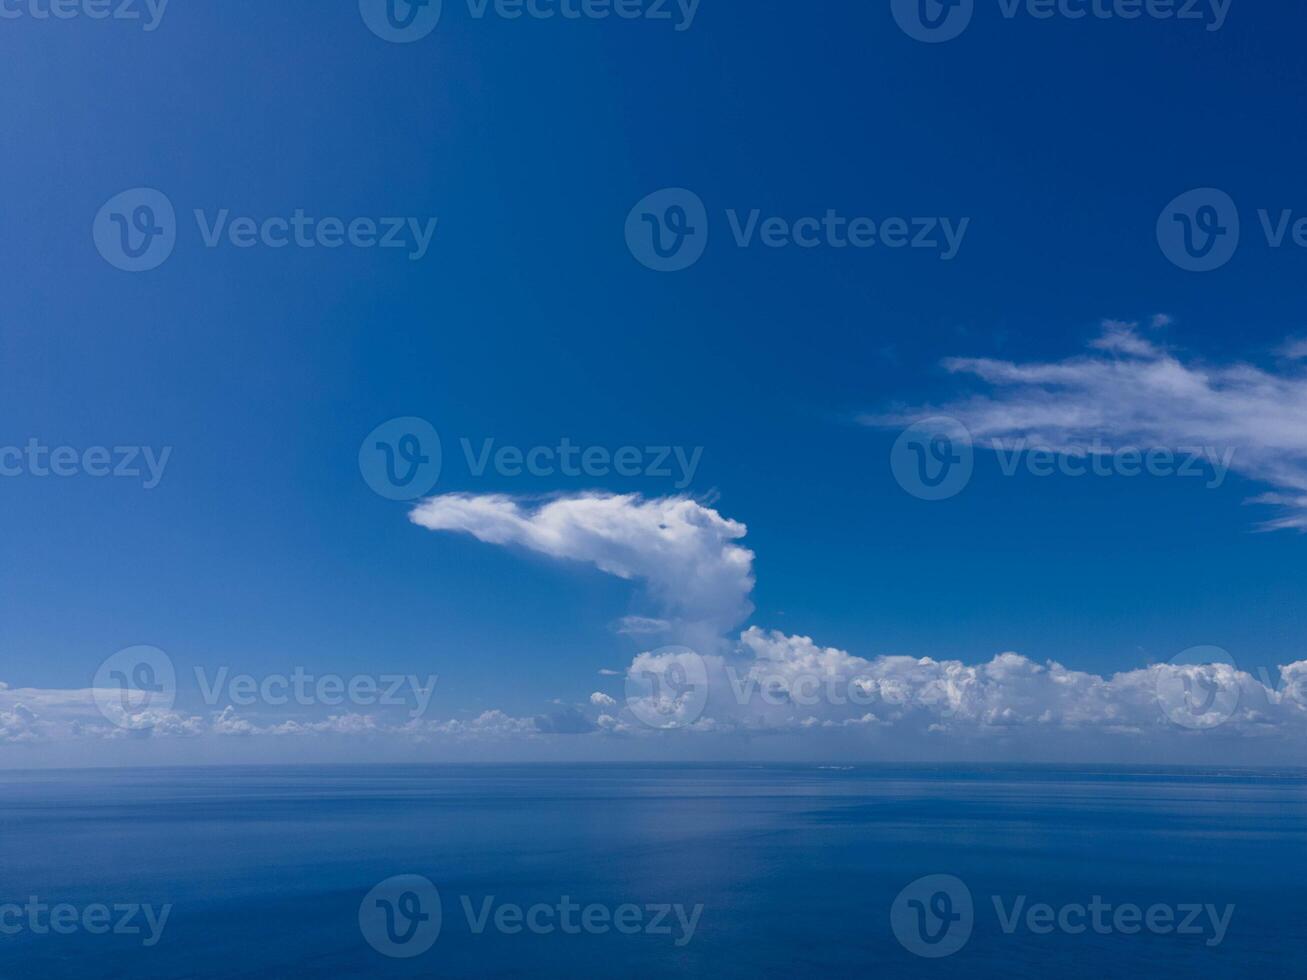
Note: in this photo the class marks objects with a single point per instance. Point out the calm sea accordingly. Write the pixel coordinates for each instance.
(629, 871)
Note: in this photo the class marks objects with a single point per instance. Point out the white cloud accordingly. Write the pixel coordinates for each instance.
(1132, 393)
(18, 724)
(491, 725)
(1010, 691)
(351, 724)
(169, 724)
(63, 714)
(771, 683)
(38, 714)
(642, 626)
(768, 683)
(779, 684)
(1295, 349)
(227, 723)
(684, 553)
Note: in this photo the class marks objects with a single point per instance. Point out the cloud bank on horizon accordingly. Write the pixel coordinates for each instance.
(766, 682)
(755, 683)
(704, 674)
(758, 683)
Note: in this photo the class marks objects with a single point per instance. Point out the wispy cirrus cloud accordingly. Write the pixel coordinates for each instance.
(1295, 349)
(1129, 391)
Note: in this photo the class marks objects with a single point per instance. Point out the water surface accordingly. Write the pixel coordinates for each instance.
(796, 867)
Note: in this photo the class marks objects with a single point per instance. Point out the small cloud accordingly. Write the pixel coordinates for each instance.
(227, 723)
(1123, 338)
(601, 700)
(569, 721)
(642, 625)
(1294, 349)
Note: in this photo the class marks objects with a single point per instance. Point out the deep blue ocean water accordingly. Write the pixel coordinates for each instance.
(796, 868)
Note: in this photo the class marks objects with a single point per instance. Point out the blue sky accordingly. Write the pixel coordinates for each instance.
(528, 320)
